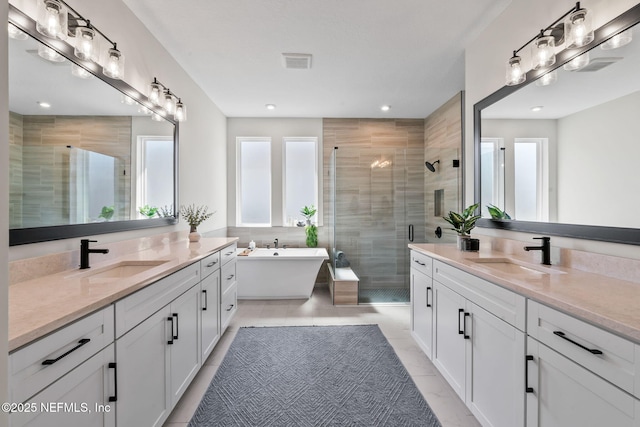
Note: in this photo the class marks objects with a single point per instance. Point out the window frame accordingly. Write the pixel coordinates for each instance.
(288, 139)
(239, 141)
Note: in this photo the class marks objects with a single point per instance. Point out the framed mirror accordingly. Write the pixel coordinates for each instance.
(561, 158)
(88, 154)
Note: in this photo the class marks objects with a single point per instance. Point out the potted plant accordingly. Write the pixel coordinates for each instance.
(107, 212)
(463, 222)
(310, 229)
(148, 211)
(195, 215)
(497, 213)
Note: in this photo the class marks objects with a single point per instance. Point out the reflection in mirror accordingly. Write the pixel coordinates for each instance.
(81, 152)
(567, 152)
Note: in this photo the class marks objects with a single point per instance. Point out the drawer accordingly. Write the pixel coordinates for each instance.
(228, 306)
(228, 278)
(501, 302)
(619, 361)
(137, 307)
(37, 365)
(422, 263)
(228, 253)
(209, 264)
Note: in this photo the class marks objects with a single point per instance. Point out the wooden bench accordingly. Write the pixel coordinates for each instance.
(343, 285)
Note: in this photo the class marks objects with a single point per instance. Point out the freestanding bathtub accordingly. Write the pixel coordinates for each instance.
(279, 273)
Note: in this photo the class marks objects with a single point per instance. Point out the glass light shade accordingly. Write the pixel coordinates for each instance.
(543, 52)
(577, 62)
(52, 19)
(157, 117)
(15, 33)
(80, 72)
(548, 79)
(144, 110)
(181, 112)
(49, 54)
(114, 65)
(155, 94)
(169, 104)
(618, 40)
(127, 100)
(515, 74)
(578, 29)
(87, 46)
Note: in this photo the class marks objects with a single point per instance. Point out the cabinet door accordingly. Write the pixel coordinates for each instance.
(185, 350)
(143, 372)
(449, 342)
(422, 311)
(566, 394)
(81, 397)
(495, 390)
(209, 308)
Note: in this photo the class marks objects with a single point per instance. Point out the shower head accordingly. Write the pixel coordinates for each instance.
(431, 166)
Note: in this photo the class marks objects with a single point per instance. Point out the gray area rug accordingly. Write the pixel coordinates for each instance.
(312, 376)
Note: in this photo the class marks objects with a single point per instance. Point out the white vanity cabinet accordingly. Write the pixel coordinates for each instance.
(228, 286)
(209, 304)
(579, 374)
(422, 301)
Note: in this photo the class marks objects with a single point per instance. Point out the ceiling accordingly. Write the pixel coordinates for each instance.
(366, 53)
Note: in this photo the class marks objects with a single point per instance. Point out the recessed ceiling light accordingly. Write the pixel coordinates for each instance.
(44, 104)
(537, 108)
(385, 107)
(270, 106)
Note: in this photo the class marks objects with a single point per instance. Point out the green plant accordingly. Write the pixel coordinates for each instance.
(195, 215)
(497, 213)
(107, 212)
(308, 212)
(166, 211)
(312, 235)
(463, 222)
(148, 211)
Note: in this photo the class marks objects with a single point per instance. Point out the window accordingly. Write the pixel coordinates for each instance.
(254, 182)
(155, 172)
(531, 184)
(300, 177)
(492, 164)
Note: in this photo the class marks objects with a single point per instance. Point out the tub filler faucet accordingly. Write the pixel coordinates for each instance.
(275, 244)
(545, 248)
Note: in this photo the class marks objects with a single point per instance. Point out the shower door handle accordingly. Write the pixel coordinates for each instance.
(411, 232)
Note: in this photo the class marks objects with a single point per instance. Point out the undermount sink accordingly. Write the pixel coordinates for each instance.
(120, 270)
(511, 266)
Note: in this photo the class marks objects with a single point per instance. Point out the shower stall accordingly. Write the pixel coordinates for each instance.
(376, 207)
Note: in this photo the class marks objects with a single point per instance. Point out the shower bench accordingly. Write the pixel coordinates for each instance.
(343, 285)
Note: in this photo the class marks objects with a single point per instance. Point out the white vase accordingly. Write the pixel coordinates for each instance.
(194, 236)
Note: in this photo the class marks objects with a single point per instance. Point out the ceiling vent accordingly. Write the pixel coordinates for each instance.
(296, 61)
(598, 64)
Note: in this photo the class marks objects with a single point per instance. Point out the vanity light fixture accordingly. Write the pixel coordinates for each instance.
(577, 63)
(114, 66)
(52, 19)
(80, 72)
(49, 54)
(181, 111)
(87, 46)
(548, 79)
(161, 96)
(15, 33)
(169, 104)
(618, 40)
(577, 31)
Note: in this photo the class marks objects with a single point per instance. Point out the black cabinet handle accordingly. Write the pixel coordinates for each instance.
(113, 366)
(231, 276)
(206, 301)
(211, 264)
(564, 337)
(82, 342)
(428, 289)
(464, 326)
(460, 331)
(175, 337)
(419, 263)
(230, 307)
(411, 232)
(528, 358)
(170, 319)
(228, 253)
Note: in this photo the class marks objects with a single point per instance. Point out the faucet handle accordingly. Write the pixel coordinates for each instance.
(543, 238)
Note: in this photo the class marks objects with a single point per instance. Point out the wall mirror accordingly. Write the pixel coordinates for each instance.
(561, 158)
(85, 157)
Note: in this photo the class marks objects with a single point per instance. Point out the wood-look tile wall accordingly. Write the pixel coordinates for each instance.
(375, 204)
(443, 141)
(40, 163)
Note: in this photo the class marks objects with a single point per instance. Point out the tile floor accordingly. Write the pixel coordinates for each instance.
(392, 320)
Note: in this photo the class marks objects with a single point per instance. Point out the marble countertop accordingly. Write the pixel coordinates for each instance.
(610, 303)
(40, 306)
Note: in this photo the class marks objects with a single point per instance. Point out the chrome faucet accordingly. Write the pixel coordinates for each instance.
(545, 248)
(275, 243)
(85, 251)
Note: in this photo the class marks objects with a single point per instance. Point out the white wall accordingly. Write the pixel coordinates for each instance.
(202, 167)
(4, 223)
(599, 154)
(485, 60)
(277, 129)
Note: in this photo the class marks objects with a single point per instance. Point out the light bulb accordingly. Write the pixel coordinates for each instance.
(579, 29)
(542, 52)
(181, 112)
(154, 94)
(86, 44)
(515, 75)
(169, 103)
(114, 67)
(52, 19)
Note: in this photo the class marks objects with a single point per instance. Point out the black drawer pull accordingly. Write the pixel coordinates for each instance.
(170, 319)
(464, 326)
(419, 263)
(113, 366)
(528, 358)
(82, 342)
(231, 276)
(460, 331)
(175, 337)
(564, 337)
(230, 307)
(428, 289)
(229, 253)
(206, 302)
(211, 264)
